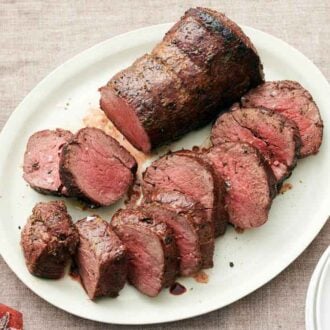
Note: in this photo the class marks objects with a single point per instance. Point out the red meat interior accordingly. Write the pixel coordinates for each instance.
(125, 119)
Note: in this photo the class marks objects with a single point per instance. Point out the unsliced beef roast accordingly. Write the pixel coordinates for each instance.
(188, 219)
(204, 63)
(294, 102)
(101, 258)
(151, 249)
(276, 137)
(49, 239)
(95, 168)
(42, 159)
(187, 175)
(250, 182)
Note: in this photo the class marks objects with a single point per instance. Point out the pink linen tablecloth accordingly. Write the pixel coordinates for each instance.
(37, 36)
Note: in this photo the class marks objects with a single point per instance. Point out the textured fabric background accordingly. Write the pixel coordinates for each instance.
(37, 36)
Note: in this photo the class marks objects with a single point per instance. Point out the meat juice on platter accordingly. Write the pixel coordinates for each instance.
(204, 69)
(177, 289)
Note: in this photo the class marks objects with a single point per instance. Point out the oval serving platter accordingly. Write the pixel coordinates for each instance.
(243, 262)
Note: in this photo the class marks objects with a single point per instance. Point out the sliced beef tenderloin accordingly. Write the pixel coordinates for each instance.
(250, 182)
(152, 252)
(276, 137)
(42, 160)
(49, 239)
(188, 175)
(101, 258)
(204, 63)
(294, 102)
(96, 168)
(220, 213)
(193, 233)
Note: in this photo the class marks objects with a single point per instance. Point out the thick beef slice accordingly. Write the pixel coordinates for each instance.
(42, 159)
(204, 63)
(250, 182)
(186, 175)
(294, 102)
(101, 258)
(49, 239)
(94, 167)
(193, 233)
(151, 249)
(276, 137)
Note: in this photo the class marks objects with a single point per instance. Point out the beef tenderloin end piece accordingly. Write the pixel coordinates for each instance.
(250, 182)
(188, 220)
(276, 137)
(96, 168)
(101, 258)
(42, 160)
(151, 249)
(49, 239)
(294, 102)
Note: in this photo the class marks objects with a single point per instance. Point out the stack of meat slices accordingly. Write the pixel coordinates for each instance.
(275, 123)
(172, 232)
(89, 165)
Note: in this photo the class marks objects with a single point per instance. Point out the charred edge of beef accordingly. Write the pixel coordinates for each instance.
(96, 168)
(190, 216)
(231, 33)
(133, 96)
(49, 239)
(151, 249)
(101, 258)
(42, 159)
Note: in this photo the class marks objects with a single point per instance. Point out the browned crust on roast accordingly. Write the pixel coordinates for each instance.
(150, 87)
(222, 67)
